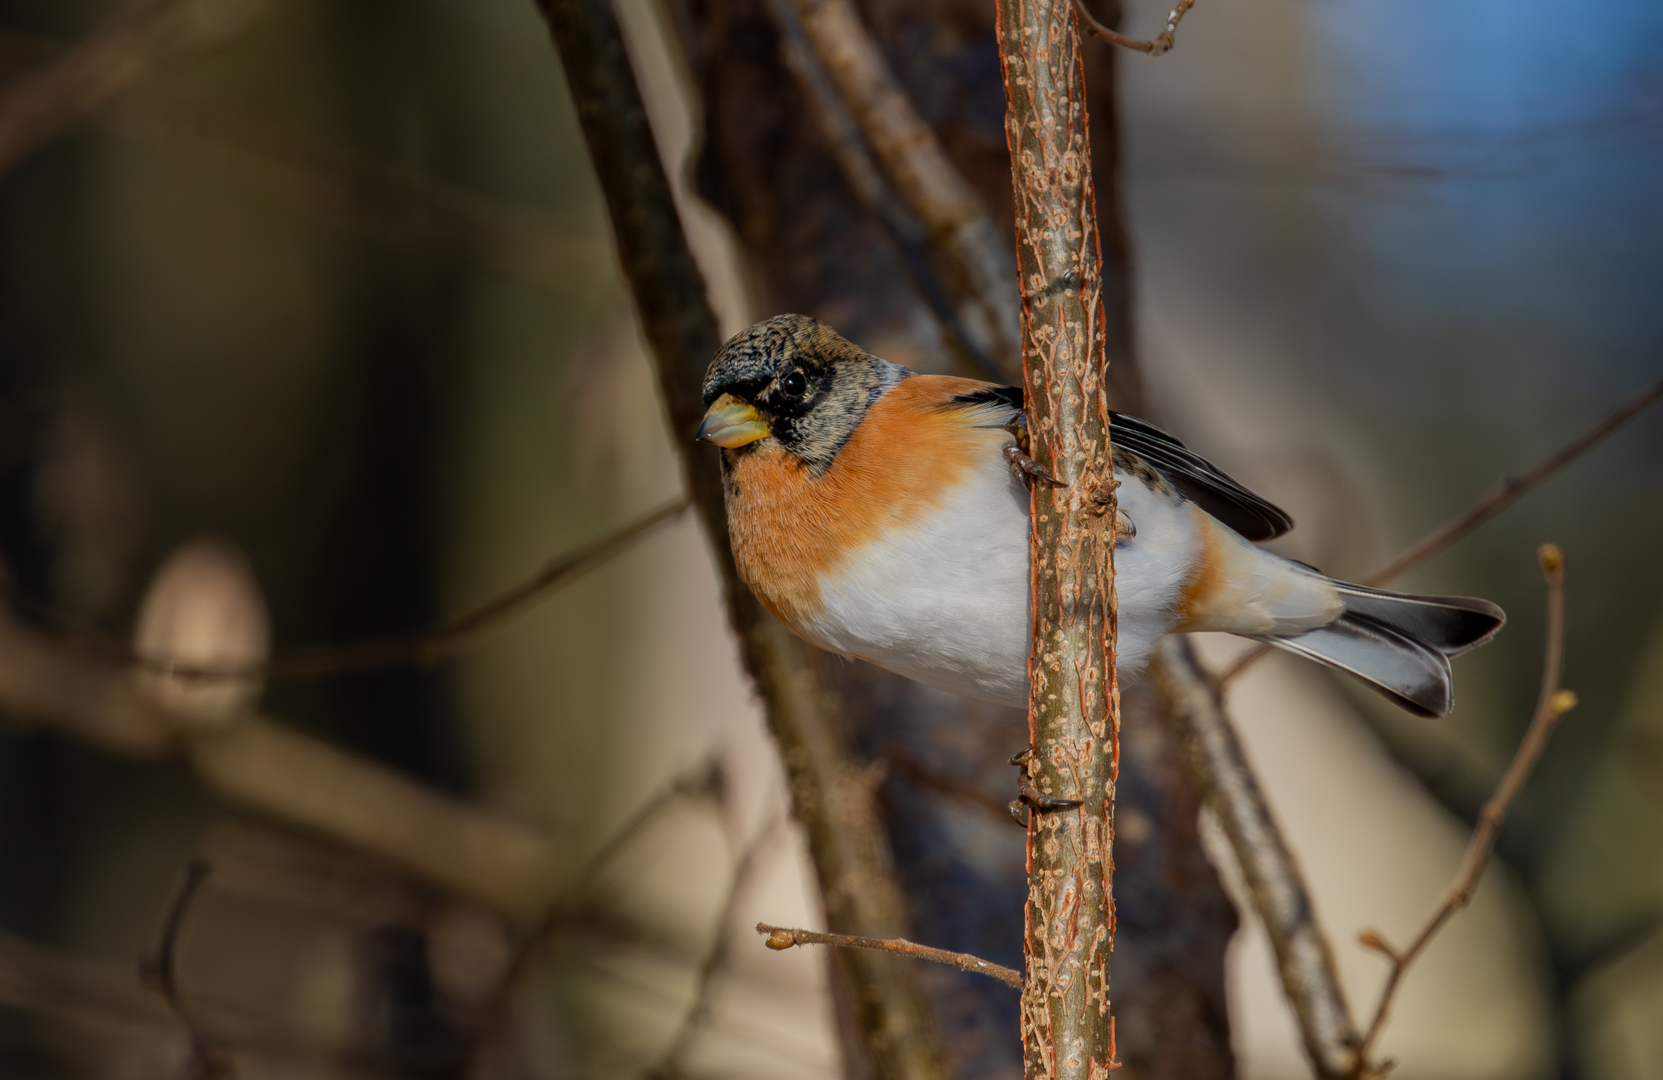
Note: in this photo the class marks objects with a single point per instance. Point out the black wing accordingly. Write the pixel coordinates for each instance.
(1194, 475)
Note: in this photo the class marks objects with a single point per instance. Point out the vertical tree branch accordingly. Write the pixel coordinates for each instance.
(914, 159)
(1304, 958)
(1073, 707)
(830, 793)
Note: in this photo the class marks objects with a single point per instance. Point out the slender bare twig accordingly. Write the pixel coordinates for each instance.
(705, 782)
(118, 54)
(1552, 703)
(1159, 45)
(916, 162)
(780, 937)
(208, 1060)
(1275, 885)
(421, 649)
(843, 137)
(1505, 493)
(699, 1011)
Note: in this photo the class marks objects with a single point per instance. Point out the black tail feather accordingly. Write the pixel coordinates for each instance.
(1400, 644)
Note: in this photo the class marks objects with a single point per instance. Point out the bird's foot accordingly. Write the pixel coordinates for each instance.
(1017, 454)
(1031, 798)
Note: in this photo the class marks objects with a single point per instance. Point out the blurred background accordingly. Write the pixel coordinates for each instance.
(311, 331)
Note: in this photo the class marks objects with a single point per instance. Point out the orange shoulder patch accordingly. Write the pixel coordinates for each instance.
(788, 527)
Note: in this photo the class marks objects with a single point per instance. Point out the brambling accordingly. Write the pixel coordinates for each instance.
(883, 514)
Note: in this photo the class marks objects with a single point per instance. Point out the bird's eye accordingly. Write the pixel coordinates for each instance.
(794, 384)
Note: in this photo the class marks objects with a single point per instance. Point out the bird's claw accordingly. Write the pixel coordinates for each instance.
(1023, 464)
(1017, 454)
(1030, 797)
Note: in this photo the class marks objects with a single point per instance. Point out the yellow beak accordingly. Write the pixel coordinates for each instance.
(730, 423)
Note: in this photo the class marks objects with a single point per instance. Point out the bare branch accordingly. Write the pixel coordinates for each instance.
(1504, 494)
(780, 937)
(282, 774)
(843, 137)
(915, 161)
(422, 649)
(846, 840)
(1512, 488)
(1159, 45)
(208, 1060)
(1277, 889)
(698, 1014)
(1552, 703)
(1073, 695)
(429, 648)
(703, 783)
(118, 54)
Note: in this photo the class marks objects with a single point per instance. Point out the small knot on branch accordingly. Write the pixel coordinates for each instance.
(1552, 558)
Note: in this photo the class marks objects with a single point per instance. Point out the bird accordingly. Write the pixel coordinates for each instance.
(883, 514)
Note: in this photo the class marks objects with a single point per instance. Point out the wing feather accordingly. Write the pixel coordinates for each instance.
(1207, 485)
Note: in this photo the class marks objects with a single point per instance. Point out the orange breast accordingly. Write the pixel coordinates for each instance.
(789, 527)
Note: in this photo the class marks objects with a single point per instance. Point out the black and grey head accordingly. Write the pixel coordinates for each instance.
(794, 379)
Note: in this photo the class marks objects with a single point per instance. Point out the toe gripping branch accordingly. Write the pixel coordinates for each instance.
(1017, 454)
(1029, 797)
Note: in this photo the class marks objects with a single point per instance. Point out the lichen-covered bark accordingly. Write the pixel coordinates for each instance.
(1073, 706)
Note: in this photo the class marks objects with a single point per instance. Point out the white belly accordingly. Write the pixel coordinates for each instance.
(946, 602)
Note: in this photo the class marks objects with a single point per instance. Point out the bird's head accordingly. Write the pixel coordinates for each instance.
(796, 380)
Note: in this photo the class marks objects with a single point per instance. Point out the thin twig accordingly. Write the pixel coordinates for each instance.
(208, 1060)
(915, 161)
(1275, 886)
(114, 57)
(1504, 494)
(1158, 45)
(1552, 703)
(707, 781)
(843, 137)
(699, 1012)
(780, 937)
(423, 649)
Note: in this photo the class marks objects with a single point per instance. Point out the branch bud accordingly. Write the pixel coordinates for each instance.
(781, 939)
(203, 610)
(1551, 557)
(1562, 702)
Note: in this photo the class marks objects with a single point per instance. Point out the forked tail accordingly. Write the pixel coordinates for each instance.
(1400, 644)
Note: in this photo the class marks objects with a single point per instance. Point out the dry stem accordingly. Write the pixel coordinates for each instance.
(1552, 703)
(843, 137)
(780, 937)
(699, 1012)
(442, 641)
(208, 1060)
(115, 56)
(915, 161)
(1073, 699)
(846, 839)
(1277, 889)
(1159, 45)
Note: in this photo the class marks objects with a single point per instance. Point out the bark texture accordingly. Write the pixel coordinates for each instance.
(831, 793)
(813, 246)
(1073, 699)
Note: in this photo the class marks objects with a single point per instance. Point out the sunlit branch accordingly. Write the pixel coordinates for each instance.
(780, 937)
(1158, 45)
